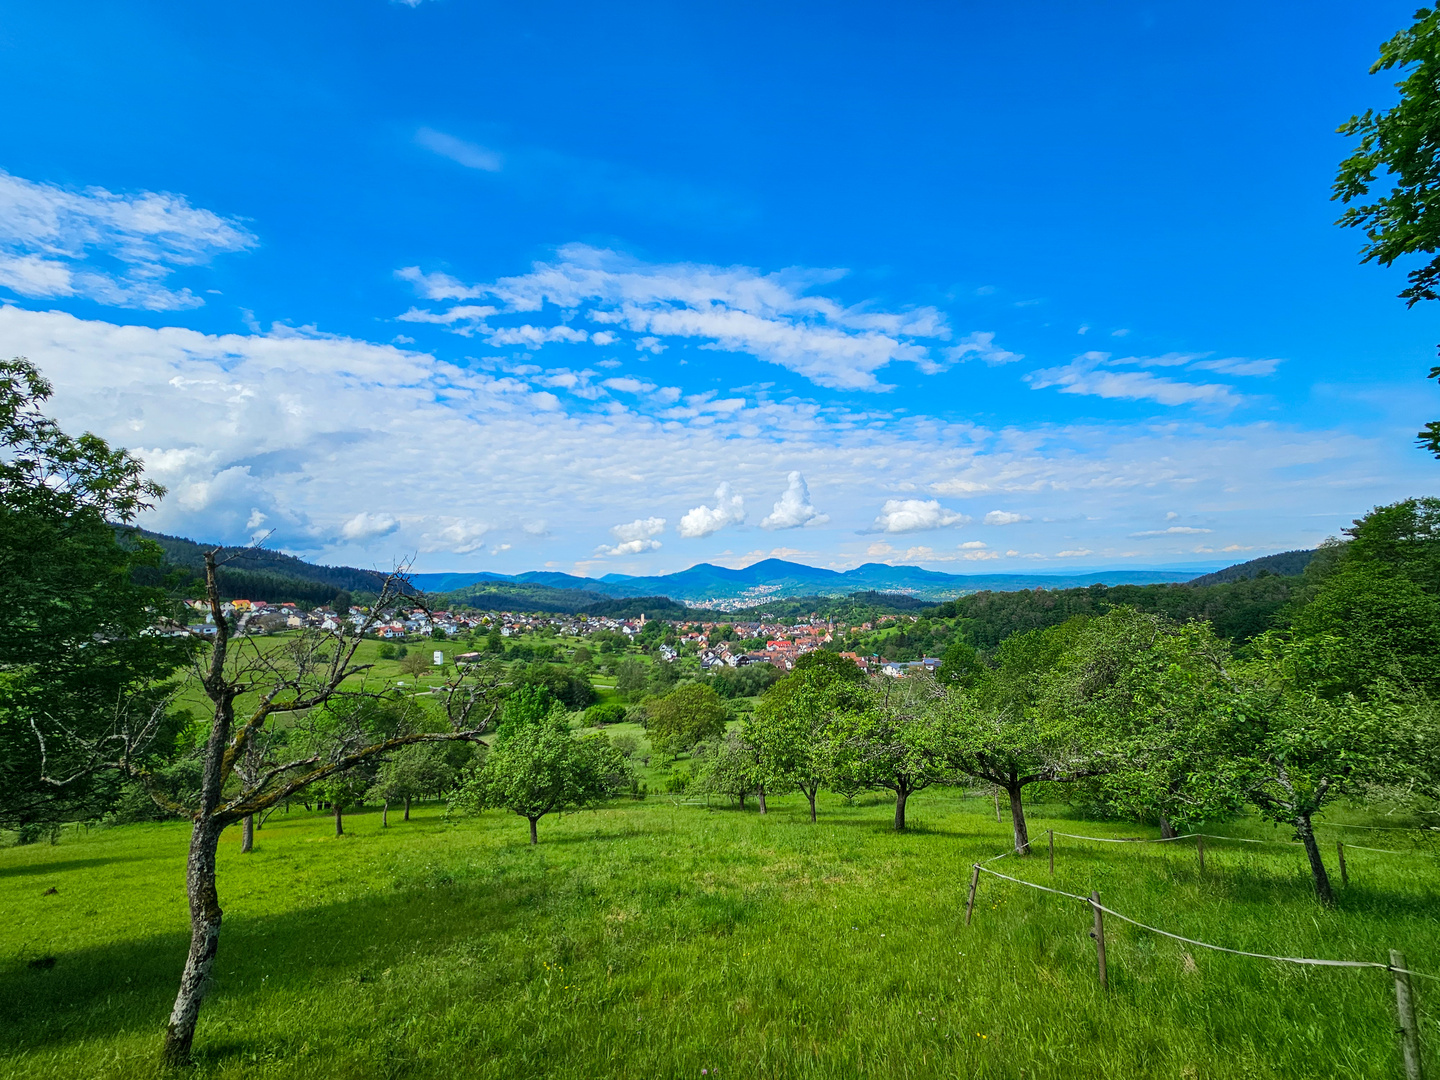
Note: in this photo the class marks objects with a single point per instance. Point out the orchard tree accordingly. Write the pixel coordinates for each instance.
(730, 766)
(901, 740)
(688, 715)
(1298, 751)
(1004, 730)
(413, 772)
(1155, 702)
(271, 702)
(790, 728)
(543, 768)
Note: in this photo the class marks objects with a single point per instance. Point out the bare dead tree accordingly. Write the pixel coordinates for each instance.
(282, 719)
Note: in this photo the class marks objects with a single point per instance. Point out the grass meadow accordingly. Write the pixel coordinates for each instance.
(649, 939)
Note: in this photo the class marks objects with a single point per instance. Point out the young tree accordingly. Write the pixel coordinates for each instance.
(729, 766)
(689, 714)
(542, 768)
(790, 728)
(1001, 734)
(412, 773)
(900, 741)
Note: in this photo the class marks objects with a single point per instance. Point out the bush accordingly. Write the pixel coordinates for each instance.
(611, 713)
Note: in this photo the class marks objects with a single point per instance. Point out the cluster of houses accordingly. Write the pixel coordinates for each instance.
(783, 644)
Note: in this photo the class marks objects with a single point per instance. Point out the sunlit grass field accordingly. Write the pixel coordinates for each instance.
(648, 939)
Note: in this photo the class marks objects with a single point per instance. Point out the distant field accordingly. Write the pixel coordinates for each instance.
(651, 940)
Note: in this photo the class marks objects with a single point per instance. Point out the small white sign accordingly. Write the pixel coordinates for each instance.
(439, 658)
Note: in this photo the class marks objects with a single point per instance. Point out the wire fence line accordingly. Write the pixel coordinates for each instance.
(1218, 836)
(1087, 901)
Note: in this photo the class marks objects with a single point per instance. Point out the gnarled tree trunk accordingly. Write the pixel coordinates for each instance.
(247, 835)
(205, 915)
(339, 826)
(1017, 818)
(1167, 831)
(760, 794)
(901, 794)
(810, 795)
(534, 836)
(1306, 832)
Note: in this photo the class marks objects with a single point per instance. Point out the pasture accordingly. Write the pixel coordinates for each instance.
(649, 939)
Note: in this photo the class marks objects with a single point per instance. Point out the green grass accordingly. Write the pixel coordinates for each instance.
(647, 940)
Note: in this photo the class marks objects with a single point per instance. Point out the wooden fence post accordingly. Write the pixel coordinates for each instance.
(1405, 1011)
(1200, 850)
(1099, 935)
(1344, 873)
(1052, 852)
(970, 904)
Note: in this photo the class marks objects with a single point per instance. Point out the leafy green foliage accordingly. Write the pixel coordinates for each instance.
(688, 715)
(541, 768)
(78, 654)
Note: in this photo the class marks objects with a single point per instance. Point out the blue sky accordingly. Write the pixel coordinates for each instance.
(977, 287)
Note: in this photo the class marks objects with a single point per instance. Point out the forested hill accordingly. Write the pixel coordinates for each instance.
(260, 574)
(1239, 609)
(1285, 564)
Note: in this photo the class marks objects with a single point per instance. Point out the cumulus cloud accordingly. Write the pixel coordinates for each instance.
(471, 155)
(776, 317)
(458, 536)
(1094, 373)
(915, 515)
(366, 526)
(1004, 517)
(635, 537)
(794, 508)
(51, 238)
(729, 509)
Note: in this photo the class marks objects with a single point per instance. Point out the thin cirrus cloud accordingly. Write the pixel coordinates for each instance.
(776, 317)
(634, 538)
(1173, 530)
(915, 515)
(1096, 374)
(729, 509)
(471, 155)
(794, 510)
(115, 249)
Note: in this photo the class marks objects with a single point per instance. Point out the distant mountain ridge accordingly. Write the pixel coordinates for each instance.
(274, 575)
(780, 579)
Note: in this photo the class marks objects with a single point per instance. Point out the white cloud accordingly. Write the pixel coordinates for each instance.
(635, 537)
(366, 526)
(532, 337)
(794, 508)
(471, 155)
(1004, 517)
(1093, 373)
(914, 515)
(981, 346)
(50, 238)
(1238, 365)
(729, 509)
(973, 545)
(1074, 553)
(1174, 530)
(457, 535)
(313, 429)
(627, 385)
(604, 337)
(774, 317)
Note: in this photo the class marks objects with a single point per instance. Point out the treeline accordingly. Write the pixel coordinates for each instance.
(1239, 610)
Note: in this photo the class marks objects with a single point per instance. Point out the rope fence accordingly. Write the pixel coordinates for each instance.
(1405, 1003)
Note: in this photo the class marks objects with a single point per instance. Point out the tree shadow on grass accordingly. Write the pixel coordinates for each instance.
(38, 869)
(129, 986)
